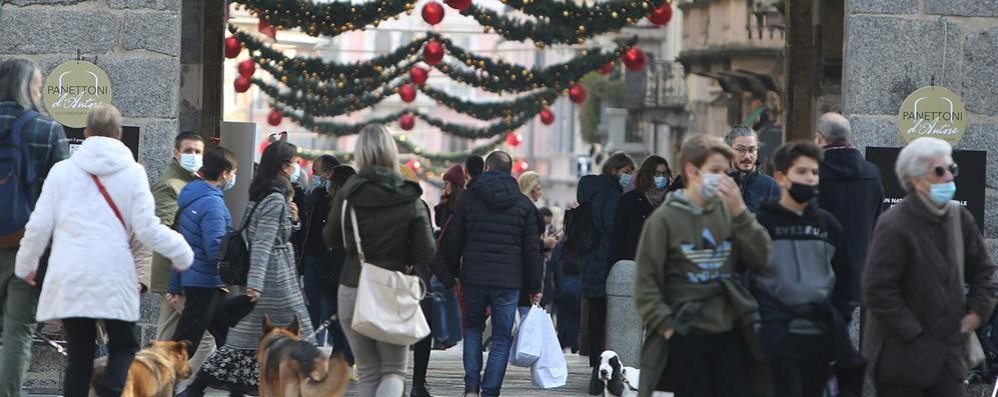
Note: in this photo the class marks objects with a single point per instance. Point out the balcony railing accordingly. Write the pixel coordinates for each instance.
(660, 85)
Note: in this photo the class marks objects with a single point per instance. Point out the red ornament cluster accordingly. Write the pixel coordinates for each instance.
(247, 68)
(661, 15)
(232, 47)
(433, 13)
(242, 84)
(414, 165)
(547, 117)
(418, 75)
(274, 118)
(408, 93)
(521, 166)
(407, 121)
(514, 139)
(634, 59)
(576, 93)
(433, 52)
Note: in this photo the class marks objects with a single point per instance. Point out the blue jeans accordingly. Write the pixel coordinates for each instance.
(503, 303)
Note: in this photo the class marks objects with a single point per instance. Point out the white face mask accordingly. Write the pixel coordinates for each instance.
(708, 189)
(296, 173)
(191, 162)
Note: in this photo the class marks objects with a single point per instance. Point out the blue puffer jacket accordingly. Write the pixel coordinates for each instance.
(202, 219)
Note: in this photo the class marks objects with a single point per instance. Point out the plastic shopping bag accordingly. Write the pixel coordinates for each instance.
(550, 370)
(527, 341)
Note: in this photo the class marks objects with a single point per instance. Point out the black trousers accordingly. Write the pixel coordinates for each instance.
(201, 313)
(421, 353)
(706, 366)
(802, 368)
(945, 388)
(81, 337)
(597, 329)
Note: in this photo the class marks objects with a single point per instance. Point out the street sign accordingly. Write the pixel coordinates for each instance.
(934, 112)
(72, 89)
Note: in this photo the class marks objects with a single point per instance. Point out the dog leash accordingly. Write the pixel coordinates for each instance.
(58, 348)
(326, 324)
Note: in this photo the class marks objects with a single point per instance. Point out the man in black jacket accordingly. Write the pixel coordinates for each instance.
(851, 190)
(493, 243)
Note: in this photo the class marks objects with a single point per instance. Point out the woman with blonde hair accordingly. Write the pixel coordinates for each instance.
(395, 232)
(89, 207)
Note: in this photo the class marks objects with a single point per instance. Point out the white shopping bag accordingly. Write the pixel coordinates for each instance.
(528, 338)
(550, 370)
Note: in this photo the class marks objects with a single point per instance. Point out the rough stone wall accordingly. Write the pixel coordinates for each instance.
(893, 47)
(137, 42)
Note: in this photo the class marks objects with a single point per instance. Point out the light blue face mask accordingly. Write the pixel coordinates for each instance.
(296, 174)
(625, 179)
(191, 162)
(230, 183)
(661, 182)
(315, 181)
(942, 193)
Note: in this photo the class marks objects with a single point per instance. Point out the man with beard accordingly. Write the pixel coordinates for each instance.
(756, 187)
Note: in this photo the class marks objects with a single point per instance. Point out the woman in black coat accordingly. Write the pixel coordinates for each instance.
(650, 187)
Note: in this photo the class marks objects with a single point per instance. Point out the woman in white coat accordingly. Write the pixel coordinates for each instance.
(89, 205)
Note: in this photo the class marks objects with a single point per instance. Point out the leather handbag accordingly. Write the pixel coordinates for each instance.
(387, 307)
(973, 351)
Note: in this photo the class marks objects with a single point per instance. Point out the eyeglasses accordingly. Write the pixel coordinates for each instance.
(952, 168)
(665, 174)
(746, 150)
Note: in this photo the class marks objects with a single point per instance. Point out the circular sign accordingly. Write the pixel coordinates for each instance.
(72, 89)
(935, 112)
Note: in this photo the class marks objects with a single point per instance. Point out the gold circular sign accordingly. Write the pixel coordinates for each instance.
(72, 89)
(935, 112)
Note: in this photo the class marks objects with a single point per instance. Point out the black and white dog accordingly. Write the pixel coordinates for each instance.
(611, 378)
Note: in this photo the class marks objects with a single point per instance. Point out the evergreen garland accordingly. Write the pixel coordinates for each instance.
(495, 109)
(323, 105)
(482, 149)
(556, 28)
(326, 19)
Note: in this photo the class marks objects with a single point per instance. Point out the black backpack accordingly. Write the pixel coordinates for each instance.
(234, 254)
(581, 234)
(17, 181)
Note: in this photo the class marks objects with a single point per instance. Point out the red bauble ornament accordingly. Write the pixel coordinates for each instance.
(246, 68)
(433, 13)
(634, 59)
(242, 84)
(521, 166)
(232, 47)
(418, 75)
(408, 93)
(577, 94)
(413, 165)
(433, 53)
(274, 118)
(547, 117)
(514, 139)
(606, 69)
(661, 15)
(459, 5)
(407, 121)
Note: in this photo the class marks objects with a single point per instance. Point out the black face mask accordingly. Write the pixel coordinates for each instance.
(802, 193)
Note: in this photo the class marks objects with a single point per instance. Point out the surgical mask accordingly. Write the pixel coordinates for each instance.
(314, 181)
(625, 179)
(661, 182)
(230, 183)
(802, 193)
(708, 189)
(296, 174)
(942, 193)
(191, 162)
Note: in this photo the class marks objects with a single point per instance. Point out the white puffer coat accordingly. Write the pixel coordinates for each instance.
(91, 270)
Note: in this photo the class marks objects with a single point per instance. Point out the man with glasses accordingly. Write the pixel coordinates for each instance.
(756, 187)
(851, 189)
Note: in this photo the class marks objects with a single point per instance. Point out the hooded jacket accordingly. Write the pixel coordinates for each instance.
(686, 277)
(852, 191)
(91, 270)
(202, 219)
(602, 192)
(394, 223)
(492, 239)
(756, 188)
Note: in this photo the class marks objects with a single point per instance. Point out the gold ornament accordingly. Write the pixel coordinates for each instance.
(614, 15)
(582, 29)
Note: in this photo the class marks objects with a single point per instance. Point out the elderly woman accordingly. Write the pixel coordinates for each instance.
(924, 251)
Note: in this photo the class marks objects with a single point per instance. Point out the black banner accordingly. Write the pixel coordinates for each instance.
(129, 136)
(969, 184)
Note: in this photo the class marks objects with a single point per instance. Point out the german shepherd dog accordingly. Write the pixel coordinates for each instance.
(154, 372)
(291, 367)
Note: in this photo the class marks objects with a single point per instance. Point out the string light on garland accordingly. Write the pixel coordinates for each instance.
(274, 118)
(247, 68)
(433, 13)
(662, 15)
(577, 94)
(407, 121)
(242, 84)
(433, 53)
(634, 59)
(232, 47)
(514, 139)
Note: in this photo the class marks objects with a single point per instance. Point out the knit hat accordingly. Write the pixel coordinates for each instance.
(455, 175)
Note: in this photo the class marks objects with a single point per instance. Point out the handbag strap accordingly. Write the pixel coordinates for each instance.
(957, 240)
(356, 232)
(110, 202)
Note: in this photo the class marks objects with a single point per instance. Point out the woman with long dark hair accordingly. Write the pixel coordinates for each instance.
(650, 187)
(272, 283)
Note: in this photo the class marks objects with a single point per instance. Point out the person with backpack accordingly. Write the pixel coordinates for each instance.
(270, 279)
(31, 143)
(203, 218)
(589, 236)
(697, 314)
(88, 207)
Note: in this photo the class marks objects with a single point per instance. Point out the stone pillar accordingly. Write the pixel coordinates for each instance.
(624, 330)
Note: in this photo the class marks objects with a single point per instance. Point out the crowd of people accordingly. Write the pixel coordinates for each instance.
(746, 283)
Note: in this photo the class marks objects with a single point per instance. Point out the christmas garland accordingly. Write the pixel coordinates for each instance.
(451, 156)
(324, 105)
(326, 19)
(492, 110)
(333, 128)
(599, 14)
(575, 28)
(337, 89)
